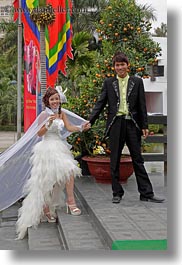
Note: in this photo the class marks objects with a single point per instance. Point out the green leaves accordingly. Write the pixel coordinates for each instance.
(125, 26)
(8, 73)
(81, 62)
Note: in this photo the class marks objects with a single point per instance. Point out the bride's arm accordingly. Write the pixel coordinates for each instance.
(73, 128)
(46, 126)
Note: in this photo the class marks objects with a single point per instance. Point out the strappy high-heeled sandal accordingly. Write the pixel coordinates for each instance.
(73, 209)
(50, 219)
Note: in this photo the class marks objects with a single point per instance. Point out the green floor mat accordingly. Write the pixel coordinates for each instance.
(140, 245)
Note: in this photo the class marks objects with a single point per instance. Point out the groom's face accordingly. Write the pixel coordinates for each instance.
(121, 68)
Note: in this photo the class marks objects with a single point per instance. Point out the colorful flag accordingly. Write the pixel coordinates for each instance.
(31, 60)
(16, 6)
(58, 40)
(31, 83)
(31, 29)
(58, 37)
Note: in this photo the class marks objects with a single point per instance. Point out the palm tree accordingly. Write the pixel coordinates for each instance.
(8, 43)
(86, 13)
(161, 31)
(82, 60)
(8, 72)
(149, 11)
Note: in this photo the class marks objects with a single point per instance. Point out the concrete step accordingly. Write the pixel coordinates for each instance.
(78, 232)
(69, 233)
(100, 224)
(129, 220)
(8, 219)
(45, 237)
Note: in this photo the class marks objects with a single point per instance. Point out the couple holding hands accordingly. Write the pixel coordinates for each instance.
(51, 167)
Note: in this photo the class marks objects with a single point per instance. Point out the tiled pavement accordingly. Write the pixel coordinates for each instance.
(131, 219)
(101, 222)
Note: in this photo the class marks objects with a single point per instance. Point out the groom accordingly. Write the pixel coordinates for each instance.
(127, 121)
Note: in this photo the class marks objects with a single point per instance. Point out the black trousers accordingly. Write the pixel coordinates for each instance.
(124, 131)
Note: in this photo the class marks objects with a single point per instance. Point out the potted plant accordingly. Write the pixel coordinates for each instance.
(99, 167)
(92, 151)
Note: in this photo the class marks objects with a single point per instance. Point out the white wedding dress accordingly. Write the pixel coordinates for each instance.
(52, 165)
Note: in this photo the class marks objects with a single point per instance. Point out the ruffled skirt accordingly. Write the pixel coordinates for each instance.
(52, 166)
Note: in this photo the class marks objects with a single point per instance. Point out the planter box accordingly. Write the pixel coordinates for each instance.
(99, 167)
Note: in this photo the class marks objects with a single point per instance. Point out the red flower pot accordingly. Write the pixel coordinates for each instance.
(99, 167)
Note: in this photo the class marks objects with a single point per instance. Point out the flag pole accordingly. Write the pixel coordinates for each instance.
(19, 71)
(43, 78)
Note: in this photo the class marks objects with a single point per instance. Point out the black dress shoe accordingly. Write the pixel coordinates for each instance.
(116, 199)
(152, 199)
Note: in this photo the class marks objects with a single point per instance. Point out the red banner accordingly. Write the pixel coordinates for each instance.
(16, 6)
(31, 83)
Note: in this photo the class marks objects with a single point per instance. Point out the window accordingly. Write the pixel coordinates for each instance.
(155, 71)
(158, 70)
(4, 11)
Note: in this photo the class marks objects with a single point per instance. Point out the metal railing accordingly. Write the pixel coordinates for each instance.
(158, 119)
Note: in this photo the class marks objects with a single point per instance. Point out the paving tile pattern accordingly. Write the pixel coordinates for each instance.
(101, 222)
(132, 219)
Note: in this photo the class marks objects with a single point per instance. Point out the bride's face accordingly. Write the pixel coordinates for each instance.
(54, 101)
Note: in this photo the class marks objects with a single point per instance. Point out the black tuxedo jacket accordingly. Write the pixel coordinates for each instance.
(110, 96)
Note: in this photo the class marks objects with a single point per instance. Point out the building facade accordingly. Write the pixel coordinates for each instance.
(156, 85)
(6, 7)
(6, 11)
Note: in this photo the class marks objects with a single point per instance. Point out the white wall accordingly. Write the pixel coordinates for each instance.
(156, 91)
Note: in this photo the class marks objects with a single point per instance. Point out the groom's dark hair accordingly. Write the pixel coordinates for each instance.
(119, 57)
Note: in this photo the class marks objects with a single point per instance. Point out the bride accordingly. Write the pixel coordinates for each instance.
(51, 166)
